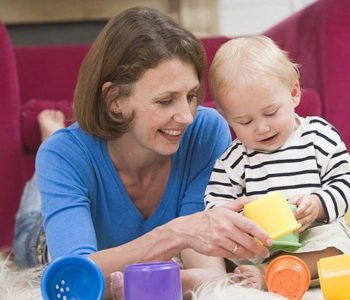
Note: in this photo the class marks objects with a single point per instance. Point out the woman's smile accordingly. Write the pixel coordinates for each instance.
(172, 135)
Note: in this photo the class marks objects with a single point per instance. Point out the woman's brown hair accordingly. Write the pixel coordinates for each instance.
(134, 41)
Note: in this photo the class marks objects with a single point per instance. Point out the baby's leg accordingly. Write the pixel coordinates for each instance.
(311, 258)
(252, 275)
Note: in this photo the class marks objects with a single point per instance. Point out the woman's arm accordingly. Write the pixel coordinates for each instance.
(217, 231)
(160, 244)
(213, 233)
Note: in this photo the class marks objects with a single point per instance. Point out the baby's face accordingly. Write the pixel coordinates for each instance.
(262, 115)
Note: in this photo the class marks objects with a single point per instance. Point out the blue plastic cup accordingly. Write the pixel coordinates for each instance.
(72, 277)
(152, 281)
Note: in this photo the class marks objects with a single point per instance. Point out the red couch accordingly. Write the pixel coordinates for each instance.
(33, 78)
(318, 38)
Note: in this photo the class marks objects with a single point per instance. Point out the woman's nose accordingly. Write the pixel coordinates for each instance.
(184, 114)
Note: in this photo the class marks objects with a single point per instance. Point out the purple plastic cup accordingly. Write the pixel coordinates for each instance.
(152, 281)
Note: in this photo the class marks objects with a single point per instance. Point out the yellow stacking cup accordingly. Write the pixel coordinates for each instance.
(290, 241)
(273, 214)
(334, 275)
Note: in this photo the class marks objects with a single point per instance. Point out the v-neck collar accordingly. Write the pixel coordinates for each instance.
(122, 192)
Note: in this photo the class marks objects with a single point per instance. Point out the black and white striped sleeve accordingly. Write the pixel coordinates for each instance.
(334, 162)
(226, 181)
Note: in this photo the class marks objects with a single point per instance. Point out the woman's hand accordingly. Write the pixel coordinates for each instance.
(224, 232)
(309, 209)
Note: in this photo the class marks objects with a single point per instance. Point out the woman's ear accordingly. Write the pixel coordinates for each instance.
(110, 93)
(296, 93)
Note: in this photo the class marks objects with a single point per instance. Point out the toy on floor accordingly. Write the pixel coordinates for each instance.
(72, 277)
(334, 275)
(288, 276)
(152, 281)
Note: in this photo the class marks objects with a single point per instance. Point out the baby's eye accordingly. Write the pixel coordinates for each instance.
(271, 113)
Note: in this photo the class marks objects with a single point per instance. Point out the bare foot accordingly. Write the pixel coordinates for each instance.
(50, 121)
(252, 276)
(117, 285)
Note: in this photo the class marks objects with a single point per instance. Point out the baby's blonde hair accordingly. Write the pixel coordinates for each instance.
(244, 60)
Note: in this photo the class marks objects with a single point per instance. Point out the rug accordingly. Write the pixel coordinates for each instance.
(19, 284)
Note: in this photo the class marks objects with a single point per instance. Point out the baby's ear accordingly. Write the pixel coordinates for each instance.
(296, 93)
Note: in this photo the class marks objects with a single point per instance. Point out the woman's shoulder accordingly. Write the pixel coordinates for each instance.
(208, 112)
(209, 119)
(208, 132)
(71, 138)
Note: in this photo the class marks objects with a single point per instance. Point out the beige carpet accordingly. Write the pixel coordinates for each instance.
(18, 284)
(313, 294)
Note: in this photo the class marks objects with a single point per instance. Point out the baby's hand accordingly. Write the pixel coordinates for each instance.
(309, 209)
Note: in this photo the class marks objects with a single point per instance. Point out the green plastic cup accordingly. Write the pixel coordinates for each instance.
(288, 242)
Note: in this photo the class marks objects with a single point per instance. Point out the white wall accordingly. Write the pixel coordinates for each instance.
(241, 17)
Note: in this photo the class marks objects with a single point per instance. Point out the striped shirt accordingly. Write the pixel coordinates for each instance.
(314, 160)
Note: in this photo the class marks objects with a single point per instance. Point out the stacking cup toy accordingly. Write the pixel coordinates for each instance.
(152, 281)
(288, 276)
(72, 277)
(334, 275)
(290, 241)
(272, 213)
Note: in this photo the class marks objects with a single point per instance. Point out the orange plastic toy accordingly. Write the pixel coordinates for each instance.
(288, 276)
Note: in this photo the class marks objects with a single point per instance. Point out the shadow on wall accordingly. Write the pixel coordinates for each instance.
(55, 33)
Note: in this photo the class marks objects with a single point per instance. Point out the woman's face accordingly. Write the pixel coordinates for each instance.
(164, 101)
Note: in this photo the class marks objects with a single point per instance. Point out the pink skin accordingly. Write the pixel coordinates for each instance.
(262, 116)
(252, 276)
(117, 285)
(309, 209)
(164, 104)
(50, 121)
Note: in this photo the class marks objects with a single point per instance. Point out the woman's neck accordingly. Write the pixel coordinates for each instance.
(133, 161)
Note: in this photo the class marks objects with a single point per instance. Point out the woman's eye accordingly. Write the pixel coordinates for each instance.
(165, 102)
(245, 122)
(191, 97)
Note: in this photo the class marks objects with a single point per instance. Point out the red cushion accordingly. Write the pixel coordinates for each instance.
(211, 45)
(31, 137)
(310, 104)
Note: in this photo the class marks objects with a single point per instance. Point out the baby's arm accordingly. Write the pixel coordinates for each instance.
(335, 180)
(309, 209)
(331, 201)
(225, 184)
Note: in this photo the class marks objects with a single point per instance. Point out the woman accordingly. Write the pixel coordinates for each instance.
(125, 183)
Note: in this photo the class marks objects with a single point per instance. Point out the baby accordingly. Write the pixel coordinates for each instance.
(256, 88)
